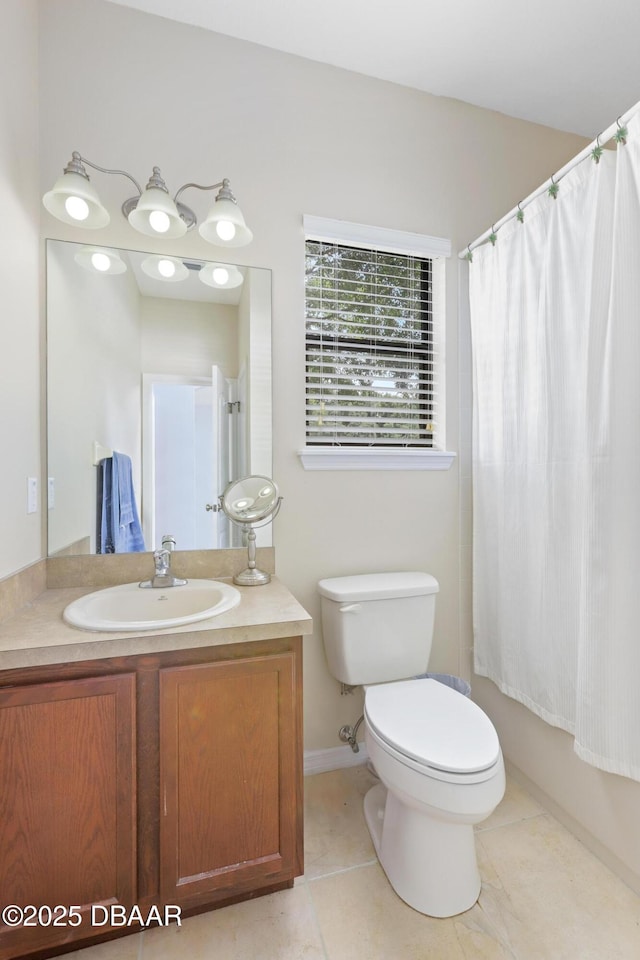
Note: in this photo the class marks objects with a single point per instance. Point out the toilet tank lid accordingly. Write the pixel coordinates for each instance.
(378, 586)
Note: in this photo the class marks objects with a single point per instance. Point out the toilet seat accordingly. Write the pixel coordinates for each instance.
(432, 727)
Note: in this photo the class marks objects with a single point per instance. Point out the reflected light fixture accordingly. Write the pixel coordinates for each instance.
(164, 268)
(152, 212)
(225, 276)
(100, 260)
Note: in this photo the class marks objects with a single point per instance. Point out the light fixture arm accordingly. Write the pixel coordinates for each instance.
(225, 192)
(76, 165)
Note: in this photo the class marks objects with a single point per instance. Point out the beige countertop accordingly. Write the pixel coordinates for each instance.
(38, 635)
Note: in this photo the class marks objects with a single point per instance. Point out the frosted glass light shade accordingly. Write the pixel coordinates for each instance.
(100, 260)
(154, 211)
(159, 268)
(224, 276)
(73, 200)
(225, 225)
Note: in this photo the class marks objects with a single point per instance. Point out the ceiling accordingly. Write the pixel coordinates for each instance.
(569, 64)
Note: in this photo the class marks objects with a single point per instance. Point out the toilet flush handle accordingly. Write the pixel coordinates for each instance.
(350, 608)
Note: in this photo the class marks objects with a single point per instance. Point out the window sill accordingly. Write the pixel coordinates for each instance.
(343, 458)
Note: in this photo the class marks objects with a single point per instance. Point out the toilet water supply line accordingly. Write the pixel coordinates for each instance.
(348, 734)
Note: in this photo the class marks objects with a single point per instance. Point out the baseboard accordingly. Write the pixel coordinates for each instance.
(333, 758)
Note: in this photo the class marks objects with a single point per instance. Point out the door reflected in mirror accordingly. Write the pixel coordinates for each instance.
(173, 375)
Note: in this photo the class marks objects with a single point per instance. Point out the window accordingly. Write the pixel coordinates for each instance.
(374, 348)
(369, 347)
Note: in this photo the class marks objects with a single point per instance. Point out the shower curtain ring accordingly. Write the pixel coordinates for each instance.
(596, 153)
(520, 214)
(493, 236)
(553, 189)
(469, 255)
(621, 133)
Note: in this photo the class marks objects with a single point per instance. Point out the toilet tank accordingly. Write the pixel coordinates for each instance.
(378, 626)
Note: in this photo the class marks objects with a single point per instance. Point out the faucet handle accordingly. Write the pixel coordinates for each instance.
(162, 559)
(168, 541)
(163, 576)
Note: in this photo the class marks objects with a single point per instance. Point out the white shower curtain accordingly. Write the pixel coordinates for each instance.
(555, 316)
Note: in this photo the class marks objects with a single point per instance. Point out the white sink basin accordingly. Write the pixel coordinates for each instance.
(131, 607)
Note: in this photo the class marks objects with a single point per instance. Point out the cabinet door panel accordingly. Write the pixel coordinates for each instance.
(67, 800)
(228, 773)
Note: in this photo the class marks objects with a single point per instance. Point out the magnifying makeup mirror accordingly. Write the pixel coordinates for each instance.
(251, 502)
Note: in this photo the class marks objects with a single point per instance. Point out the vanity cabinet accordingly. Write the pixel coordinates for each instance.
(67, 805)
(161, 779)
(228, 777)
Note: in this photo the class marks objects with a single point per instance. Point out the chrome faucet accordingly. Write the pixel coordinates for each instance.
(163, 576)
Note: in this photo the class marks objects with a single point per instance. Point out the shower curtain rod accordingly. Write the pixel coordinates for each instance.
(600, 140)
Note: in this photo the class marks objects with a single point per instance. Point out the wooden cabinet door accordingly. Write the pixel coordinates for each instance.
(229, 777)
(67, 804)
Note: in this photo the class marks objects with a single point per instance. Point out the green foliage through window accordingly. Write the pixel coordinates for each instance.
(369, 347)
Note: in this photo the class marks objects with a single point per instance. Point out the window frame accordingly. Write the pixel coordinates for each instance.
(354, 455)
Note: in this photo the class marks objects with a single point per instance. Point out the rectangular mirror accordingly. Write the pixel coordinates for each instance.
(171, 375)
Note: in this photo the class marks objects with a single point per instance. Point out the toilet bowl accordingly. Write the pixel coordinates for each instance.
(441, 771)
(436, 752)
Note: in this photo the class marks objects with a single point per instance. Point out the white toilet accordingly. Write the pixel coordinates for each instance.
(436, 753)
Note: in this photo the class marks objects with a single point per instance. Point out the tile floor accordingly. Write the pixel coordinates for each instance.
(544, 897)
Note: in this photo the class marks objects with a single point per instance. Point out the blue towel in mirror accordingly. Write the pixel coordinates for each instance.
(119, 528)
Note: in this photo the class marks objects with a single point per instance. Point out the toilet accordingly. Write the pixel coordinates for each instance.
(436, 752)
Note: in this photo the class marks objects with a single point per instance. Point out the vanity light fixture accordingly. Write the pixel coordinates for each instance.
(224, 276)
(152, 212)
(100, 260)
(170, 269)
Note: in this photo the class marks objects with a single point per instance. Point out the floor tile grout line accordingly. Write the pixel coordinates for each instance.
(491, 927)
(511, 823)
(317, 921)
(336, 873)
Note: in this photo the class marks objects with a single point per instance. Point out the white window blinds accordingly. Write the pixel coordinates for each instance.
(370, 362)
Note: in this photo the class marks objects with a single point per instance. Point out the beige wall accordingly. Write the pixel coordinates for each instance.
(188, 337)
(20, 534)
(295, 137)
